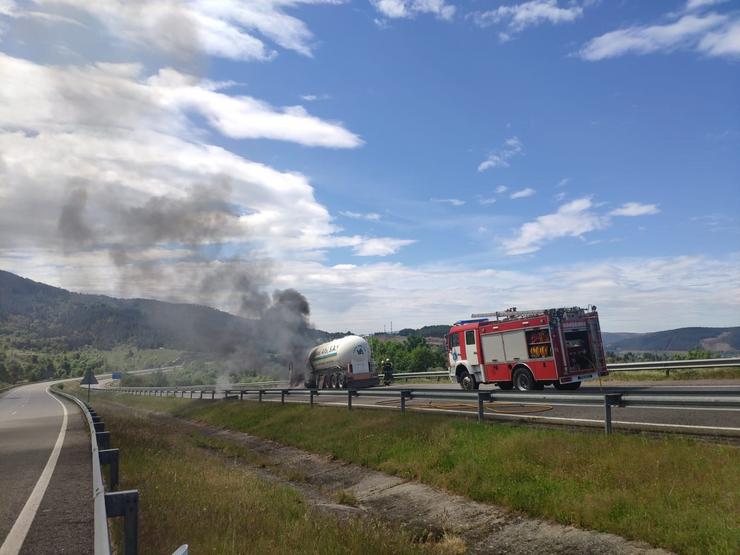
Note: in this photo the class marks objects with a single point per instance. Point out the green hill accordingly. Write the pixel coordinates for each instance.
(36, 316)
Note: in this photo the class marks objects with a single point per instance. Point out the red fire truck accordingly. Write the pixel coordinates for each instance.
(527, 350)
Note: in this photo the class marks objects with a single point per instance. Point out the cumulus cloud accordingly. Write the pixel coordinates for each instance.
(524, 193)
(633, 294)
(407, 9)
(380, 246)
(118, 96)
(518, 17)
(182, 29)
(635, 209)
(500, 157)
(501, 189)
(713, 34)
(572, 219)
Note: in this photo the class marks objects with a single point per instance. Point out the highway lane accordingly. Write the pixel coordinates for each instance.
(45, 474)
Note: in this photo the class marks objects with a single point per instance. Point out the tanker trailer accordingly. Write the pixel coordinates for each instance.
(342, 363)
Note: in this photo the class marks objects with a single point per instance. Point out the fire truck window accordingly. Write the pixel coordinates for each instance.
(454, 340)
(470, 337)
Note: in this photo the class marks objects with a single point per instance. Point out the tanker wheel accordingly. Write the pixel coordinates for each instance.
(567, 386)
(333, 381)
(523, 380)
(342, 381)
(467, 382)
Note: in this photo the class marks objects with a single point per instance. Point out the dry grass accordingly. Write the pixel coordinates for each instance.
(194, 490)
(675, 375)
(673, 492)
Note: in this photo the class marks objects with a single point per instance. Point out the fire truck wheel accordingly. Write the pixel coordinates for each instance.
(467, 382)
(523, 380)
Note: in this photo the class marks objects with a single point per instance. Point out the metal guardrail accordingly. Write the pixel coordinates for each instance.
(615, 367)
(112, 504)
(607, 400)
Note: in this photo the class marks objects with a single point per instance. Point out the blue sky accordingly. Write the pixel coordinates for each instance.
(404, 160)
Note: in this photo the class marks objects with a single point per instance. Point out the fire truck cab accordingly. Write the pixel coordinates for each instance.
(527, 350)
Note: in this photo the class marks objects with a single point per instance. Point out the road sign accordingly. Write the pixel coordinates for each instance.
(89, 378)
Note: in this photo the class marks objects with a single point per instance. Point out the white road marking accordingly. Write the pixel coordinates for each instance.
(14, 541)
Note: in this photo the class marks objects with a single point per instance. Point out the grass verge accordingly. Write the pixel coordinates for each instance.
(675, 375)
(193, 490)
(673, 492)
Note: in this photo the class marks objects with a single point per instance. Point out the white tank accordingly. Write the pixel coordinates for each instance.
(340, 353)
(342, 363)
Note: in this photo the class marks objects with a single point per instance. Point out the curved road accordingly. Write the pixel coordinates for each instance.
(45, 474)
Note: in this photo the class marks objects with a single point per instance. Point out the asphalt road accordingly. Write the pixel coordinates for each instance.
(45, 475)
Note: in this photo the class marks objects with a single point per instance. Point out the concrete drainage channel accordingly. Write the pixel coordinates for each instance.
(111, 504)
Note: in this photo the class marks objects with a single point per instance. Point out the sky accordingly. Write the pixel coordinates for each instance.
(404, 161)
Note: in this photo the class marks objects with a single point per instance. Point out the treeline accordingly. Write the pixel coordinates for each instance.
(413, 354)
(19, 366)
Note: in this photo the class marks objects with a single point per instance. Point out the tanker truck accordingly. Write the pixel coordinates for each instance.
(344, 363)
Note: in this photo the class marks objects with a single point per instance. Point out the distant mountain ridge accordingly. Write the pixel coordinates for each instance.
(716, 340)
(35, 315)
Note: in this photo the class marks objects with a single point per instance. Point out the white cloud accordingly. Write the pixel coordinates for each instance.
(380, 246)
(712, 34)
(500, 157)
(524, 193)
(635, 209)
(315, 97)
(450, 201)
(487, 200)
(119, 97)
(563, 182)
(406, 9)
(370, 216)
(633, 294)
(501, 189)
(572, 219)
(518, 17)
(225, 28)
(692, 5)
(722, 42)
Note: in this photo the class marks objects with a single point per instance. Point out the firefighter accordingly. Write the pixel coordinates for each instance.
(387, 372)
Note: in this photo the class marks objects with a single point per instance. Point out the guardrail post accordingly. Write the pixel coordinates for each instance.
(311, 393)
(99, 425)
(192, 391)
(349, 399)
(260, 395)
(110, 457)
(213, 394)
(241, 395)
(282, 396)
(482, 396)
(103, 439)
(126, 504)
(405, 394)
(610, 400)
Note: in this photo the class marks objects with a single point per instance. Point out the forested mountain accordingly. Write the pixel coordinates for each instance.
(37, 316)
